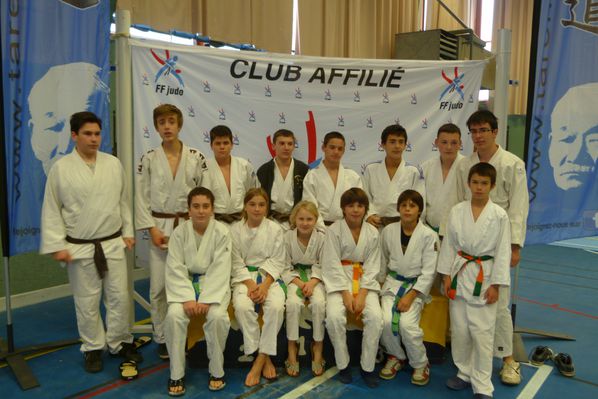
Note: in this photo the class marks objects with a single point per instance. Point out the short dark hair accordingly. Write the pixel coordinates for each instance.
(79, 119)
(411, 195)
(283, 133)
(197, 191)
(220, 131)
(355, 194)
(449, 128)
(396, 130)
(483, 169)
(165, 109)
(333, 135)
(483, 116)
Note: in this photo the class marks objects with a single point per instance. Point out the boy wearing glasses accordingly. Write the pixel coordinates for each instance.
(510, 192)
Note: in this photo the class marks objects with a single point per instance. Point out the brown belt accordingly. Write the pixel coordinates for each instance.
(175, 216)
(228, 217)
(328, 222)
(386, 220)
(98, 253)
(279, 216)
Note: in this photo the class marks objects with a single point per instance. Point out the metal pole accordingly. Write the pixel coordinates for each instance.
(501, 83)
(9, 330)
(124, 134)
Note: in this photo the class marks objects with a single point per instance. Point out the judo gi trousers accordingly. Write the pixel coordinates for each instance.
(336, 323)
(316, 306)
(503, 335)
(246, 316)
(409, 332)
(159, 307)
(87, 289)
(215, 331)
(472, 340)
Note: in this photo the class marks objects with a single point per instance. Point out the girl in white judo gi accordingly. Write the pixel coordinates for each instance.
(303, 277)
(165, 176)
(409, 255)
(258, 262)
(474, 261)
(198, 271)
(350, 267)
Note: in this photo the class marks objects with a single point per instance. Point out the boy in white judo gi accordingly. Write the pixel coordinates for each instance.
(198, 272)
(325, 184)
(384, 181)
(282, 177)
(258, 262)
(409, 254)
(86, 224)
(303, 276)
(440, 177)
(474, 261)
(511, 194)
(350, 267)
(165, 176)
(228, 177)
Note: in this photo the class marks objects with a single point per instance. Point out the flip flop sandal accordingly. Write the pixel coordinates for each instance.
(216, 379)
(142, 341)
(128, 370)
(292, 368)
(180, 383)
(318, 368)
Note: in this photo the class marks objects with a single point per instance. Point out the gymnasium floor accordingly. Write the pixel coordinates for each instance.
(558, 291)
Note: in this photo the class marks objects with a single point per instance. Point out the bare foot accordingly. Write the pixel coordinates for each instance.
(253, 377)
(317, 351)
(269, 371)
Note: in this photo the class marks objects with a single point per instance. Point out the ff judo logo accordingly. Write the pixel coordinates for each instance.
(168, 69)
(454, 85)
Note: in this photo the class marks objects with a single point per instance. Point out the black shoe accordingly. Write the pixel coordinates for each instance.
(93, 361)
(163, 352)
(564, 364)
(540, 354)
(129, 352)
(370, 378)
(344, 375)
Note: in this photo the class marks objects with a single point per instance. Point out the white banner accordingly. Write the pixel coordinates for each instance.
(257, 93)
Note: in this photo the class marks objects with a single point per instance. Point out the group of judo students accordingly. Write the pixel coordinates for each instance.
(365, 249)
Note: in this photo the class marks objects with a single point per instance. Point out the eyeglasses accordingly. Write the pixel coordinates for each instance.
(480, 131)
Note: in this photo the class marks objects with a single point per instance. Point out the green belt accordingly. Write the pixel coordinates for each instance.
(302, 268)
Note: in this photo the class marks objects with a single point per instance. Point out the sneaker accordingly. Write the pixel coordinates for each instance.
(421, 376)
(564, 364)
(93, 361)
(510, 374)
(457, 384)
(540, 354)
(391, 368)
(129, 352)
(370, 378)
(344, 375)
(163, 352)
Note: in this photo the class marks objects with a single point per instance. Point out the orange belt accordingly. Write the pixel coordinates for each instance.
(357, 273)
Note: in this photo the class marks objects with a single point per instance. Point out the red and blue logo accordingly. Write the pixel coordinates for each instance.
(454, 84)
(169, 66)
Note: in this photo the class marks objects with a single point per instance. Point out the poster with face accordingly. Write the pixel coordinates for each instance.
(563, 141)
